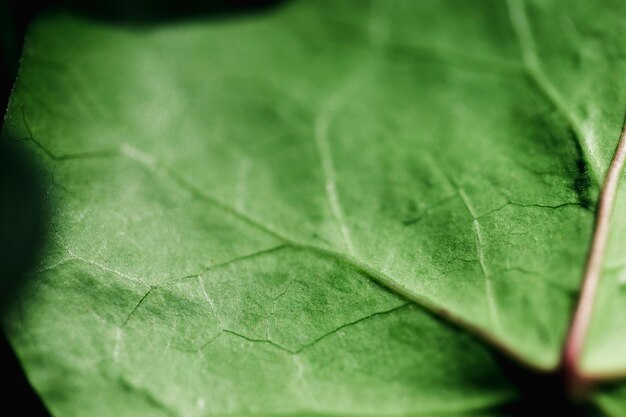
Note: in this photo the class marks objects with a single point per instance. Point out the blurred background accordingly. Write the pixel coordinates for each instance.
(21, 202)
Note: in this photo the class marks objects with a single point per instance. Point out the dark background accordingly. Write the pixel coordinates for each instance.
(18, 193)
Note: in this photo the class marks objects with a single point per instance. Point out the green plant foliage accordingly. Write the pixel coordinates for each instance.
(271, 215)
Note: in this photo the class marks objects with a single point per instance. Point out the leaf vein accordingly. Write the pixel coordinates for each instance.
(530, 59)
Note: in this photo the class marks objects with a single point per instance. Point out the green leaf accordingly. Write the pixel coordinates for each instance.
(277, 333)
(225, 195)
(612, 401)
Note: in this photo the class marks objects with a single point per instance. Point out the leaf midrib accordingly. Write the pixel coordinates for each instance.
(581, 319)
(608, 179)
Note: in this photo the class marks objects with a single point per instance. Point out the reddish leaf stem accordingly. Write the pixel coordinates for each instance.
(577, 383)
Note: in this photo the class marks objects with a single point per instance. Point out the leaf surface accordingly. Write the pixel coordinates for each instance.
(276, 333)
(225, 193)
